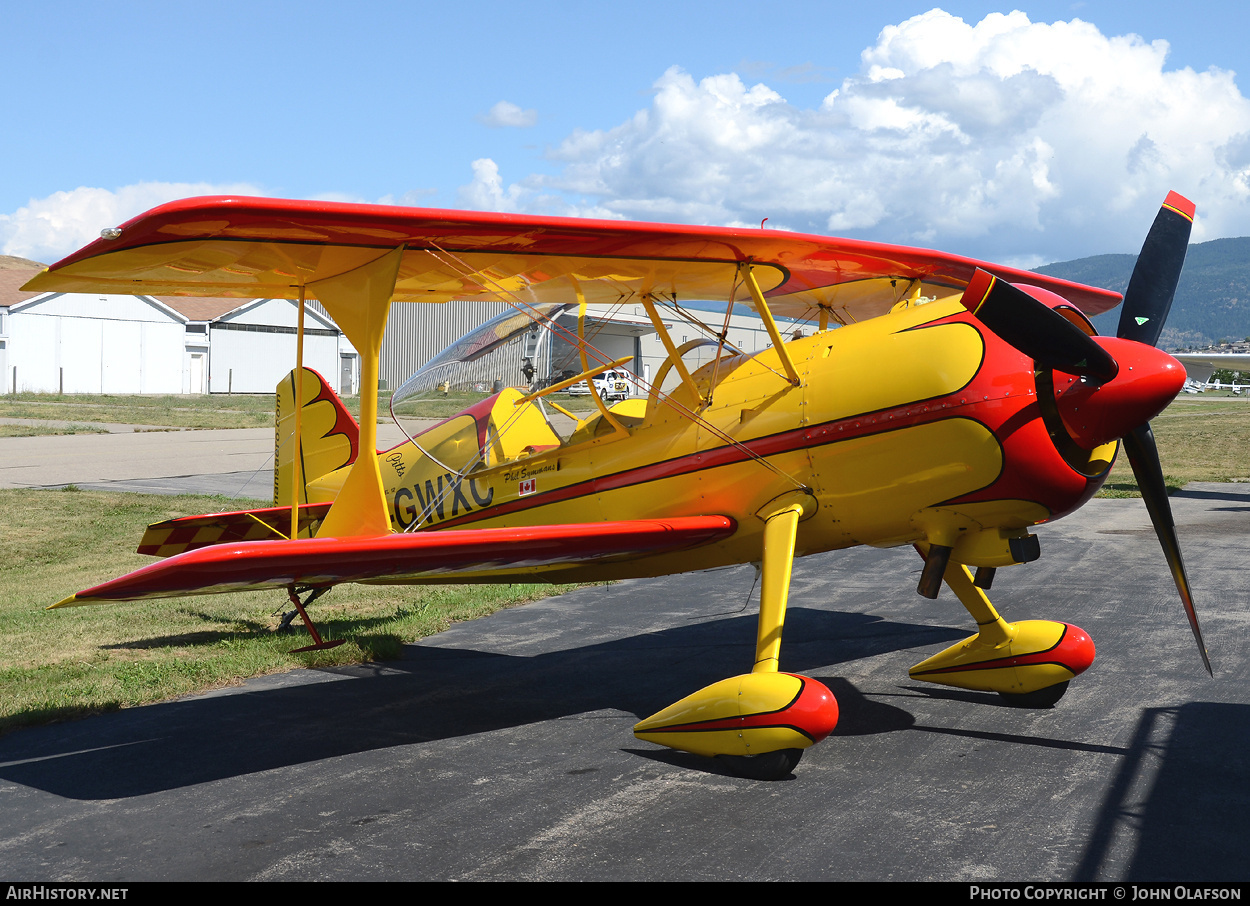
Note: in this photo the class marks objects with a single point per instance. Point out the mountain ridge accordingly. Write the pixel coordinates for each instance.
(1212, 301)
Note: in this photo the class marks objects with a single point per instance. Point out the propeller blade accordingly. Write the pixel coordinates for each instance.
(1153, 284)
(1143, 455)
(1050, 339)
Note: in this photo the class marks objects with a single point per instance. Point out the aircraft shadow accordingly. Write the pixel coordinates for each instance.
(1179, 806)
(1232, 494)
(432, 693)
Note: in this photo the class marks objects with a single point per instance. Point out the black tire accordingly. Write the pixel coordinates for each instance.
(769, 766)
(1042, 698)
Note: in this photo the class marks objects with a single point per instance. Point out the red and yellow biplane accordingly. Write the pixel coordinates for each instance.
(992, 407)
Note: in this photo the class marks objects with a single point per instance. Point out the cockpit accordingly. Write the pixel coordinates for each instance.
(524, 388)
(558, 382)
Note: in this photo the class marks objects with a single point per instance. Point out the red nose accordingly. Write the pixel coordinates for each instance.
(1095, 413)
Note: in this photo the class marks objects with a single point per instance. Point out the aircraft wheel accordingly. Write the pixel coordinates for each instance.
(1042, 698)
(769, 766)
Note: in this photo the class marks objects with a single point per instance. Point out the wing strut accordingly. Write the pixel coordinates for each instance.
(359, 301)
(297, 461)
(674, 355)
(617, 428)
(767, 317)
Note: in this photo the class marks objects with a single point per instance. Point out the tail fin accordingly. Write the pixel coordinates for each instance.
(329, 436)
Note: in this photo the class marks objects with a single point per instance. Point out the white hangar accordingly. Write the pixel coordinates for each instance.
(85, 343)
(250, 347)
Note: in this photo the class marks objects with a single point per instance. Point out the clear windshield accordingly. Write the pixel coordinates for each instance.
(471, 409)
(497, 364)
(511, 350)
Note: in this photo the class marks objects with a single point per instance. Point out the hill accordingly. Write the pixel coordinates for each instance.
(14, 272)
(12, 262)
(1212, 299)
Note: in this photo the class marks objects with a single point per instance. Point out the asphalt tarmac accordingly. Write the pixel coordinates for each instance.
(502, 748)
(235, 462)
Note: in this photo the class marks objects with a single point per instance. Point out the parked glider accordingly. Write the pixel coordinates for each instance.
(993, 408)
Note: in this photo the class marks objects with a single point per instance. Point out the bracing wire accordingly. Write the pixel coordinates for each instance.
(462, 267)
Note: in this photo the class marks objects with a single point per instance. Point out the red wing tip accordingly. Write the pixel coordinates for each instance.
(1180, 204)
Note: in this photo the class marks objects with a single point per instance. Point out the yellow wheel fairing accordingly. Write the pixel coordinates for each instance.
(749, 714)
(1035, 654)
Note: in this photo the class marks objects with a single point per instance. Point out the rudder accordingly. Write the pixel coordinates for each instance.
(330, 437)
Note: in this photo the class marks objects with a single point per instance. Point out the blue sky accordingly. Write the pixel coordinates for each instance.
(1010, 139)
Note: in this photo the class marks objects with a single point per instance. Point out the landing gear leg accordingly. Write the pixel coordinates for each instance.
(1028, 663)
(780, 531)
(759, 723)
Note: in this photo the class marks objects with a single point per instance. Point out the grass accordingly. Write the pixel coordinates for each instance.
(77, 661)
(201, 411)
(1199, 440)
(38, 430)
(164, 410)
(436, 405)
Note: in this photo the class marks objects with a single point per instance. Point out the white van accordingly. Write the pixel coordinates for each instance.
(612, 385)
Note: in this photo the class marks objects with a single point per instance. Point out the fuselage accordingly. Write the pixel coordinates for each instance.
(917, 426)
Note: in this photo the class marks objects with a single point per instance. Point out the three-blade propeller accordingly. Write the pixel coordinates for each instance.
(1056, 344)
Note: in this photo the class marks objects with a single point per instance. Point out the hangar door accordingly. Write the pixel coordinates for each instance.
(252, 358)
(253, 347)
(95, 344)
(615, 337)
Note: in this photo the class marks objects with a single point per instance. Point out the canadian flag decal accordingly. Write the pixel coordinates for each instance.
(528, 486)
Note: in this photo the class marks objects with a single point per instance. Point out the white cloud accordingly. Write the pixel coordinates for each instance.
(47, 229)
(1005, 138)
(413, 198)
(486, 192)
(506, 114)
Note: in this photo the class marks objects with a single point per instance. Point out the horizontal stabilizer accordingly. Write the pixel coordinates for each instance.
(176, 536)
(498, 553)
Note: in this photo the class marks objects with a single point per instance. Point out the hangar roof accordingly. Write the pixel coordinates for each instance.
(13, 273)
(199, 309)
